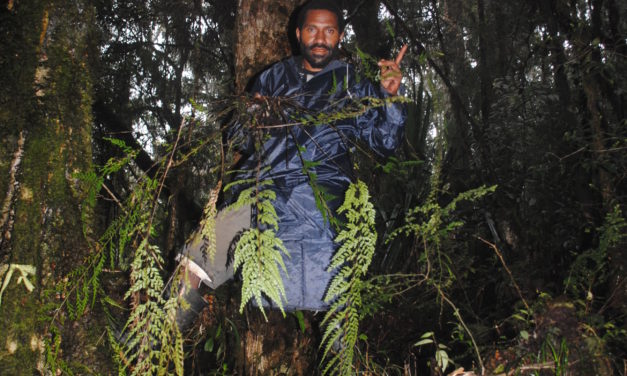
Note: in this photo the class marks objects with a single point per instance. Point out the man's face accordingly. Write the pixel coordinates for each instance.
(319, 38)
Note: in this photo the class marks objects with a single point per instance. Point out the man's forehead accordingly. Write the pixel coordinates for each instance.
(321, 17)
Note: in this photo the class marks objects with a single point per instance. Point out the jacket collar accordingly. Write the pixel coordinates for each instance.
(297, 64)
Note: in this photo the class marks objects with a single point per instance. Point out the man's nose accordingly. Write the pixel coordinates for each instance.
(319, 37)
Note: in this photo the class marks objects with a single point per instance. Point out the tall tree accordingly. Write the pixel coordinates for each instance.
(264, 35)
(45, 106)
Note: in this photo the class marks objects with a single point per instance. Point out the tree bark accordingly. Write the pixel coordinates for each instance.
(262, 36)
(46, 103)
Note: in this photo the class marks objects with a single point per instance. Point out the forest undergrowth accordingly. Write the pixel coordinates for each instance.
(493, 243)
(441, 297)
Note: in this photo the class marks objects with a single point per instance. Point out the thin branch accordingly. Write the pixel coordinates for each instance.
(113, 197)
(511, 276)
(162, 182)
(569, 155)
(463, 324)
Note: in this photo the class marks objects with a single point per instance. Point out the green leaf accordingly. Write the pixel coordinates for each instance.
(423, 342)
(301, 320)
(442, 358)
(209, 345)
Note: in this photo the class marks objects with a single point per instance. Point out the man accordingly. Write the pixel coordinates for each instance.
(317, 82)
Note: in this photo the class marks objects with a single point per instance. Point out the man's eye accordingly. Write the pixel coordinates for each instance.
(330, 31)
(311, 29)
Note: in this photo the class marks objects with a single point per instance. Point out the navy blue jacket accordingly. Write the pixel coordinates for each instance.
(302, 227)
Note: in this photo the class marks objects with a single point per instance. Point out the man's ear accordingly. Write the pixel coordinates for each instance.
(298, 35)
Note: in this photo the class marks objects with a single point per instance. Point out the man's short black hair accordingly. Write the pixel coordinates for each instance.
(329, 5)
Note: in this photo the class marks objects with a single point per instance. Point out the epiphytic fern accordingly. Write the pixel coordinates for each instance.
(259, 252)
(358, 238)
(208, 224)
(152, 341)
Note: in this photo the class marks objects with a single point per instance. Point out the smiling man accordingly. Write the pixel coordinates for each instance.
(304, 160)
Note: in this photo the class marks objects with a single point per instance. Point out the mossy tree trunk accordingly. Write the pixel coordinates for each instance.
(265, 34)
(45, 112)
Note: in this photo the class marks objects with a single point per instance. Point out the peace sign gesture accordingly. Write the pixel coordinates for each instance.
(391, 74)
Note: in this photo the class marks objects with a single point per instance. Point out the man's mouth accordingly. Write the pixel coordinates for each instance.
(319, 49)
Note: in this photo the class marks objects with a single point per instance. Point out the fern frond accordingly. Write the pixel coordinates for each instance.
(259, 252)
(208, 224)
(358, 238)
(153, 342)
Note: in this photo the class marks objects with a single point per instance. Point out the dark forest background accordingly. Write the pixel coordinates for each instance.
(528, 97)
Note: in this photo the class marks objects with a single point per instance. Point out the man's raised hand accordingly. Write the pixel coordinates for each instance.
(391, 74)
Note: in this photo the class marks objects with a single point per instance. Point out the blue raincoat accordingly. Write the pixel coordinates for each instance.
(305, 232)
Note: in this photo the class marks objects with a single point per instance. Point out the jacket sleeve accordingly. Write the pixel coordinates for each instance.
(381, 127)
(238, 135)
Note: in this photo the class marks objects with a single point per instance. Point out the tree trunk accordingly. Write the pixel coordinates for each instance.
(262, 37)
(276, 345)
(46, 102)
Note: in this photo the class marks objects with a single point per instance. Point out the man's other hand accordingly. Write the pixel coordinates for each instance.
(391, 74)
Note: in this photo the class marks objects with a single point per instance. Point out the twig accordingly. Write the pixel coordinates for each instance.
(162, 184)
(617, 289)
(570, 154)
(511, 276)
(349, 18)
(539, 366)
(463, 324)
(113, 197)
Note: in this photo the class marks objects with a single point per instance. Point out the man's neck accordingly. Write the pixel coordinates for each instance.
(307, 71)
(308, 68)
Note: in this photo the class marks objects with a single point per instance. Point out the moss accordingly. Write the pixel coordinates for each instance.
(55, 110)
(18, 61)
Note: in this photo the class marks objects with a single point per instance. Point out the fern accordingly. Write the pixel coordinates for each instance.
(342, 110)
(208, 224)
(369, 66)
(259, 252)
(358, 240)
(430, 224)
(153, 341)
(84, 281)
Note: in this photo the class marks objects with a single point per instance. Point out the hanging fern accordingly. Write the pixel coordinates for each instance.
(208, 224)
(358, 239)
(259, 252)
(84, 281)
(152, 341)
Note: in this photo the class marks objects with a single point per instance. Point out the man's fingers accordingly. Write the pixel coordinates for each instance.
(388, 64)
(400, 55)
(390, 73)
